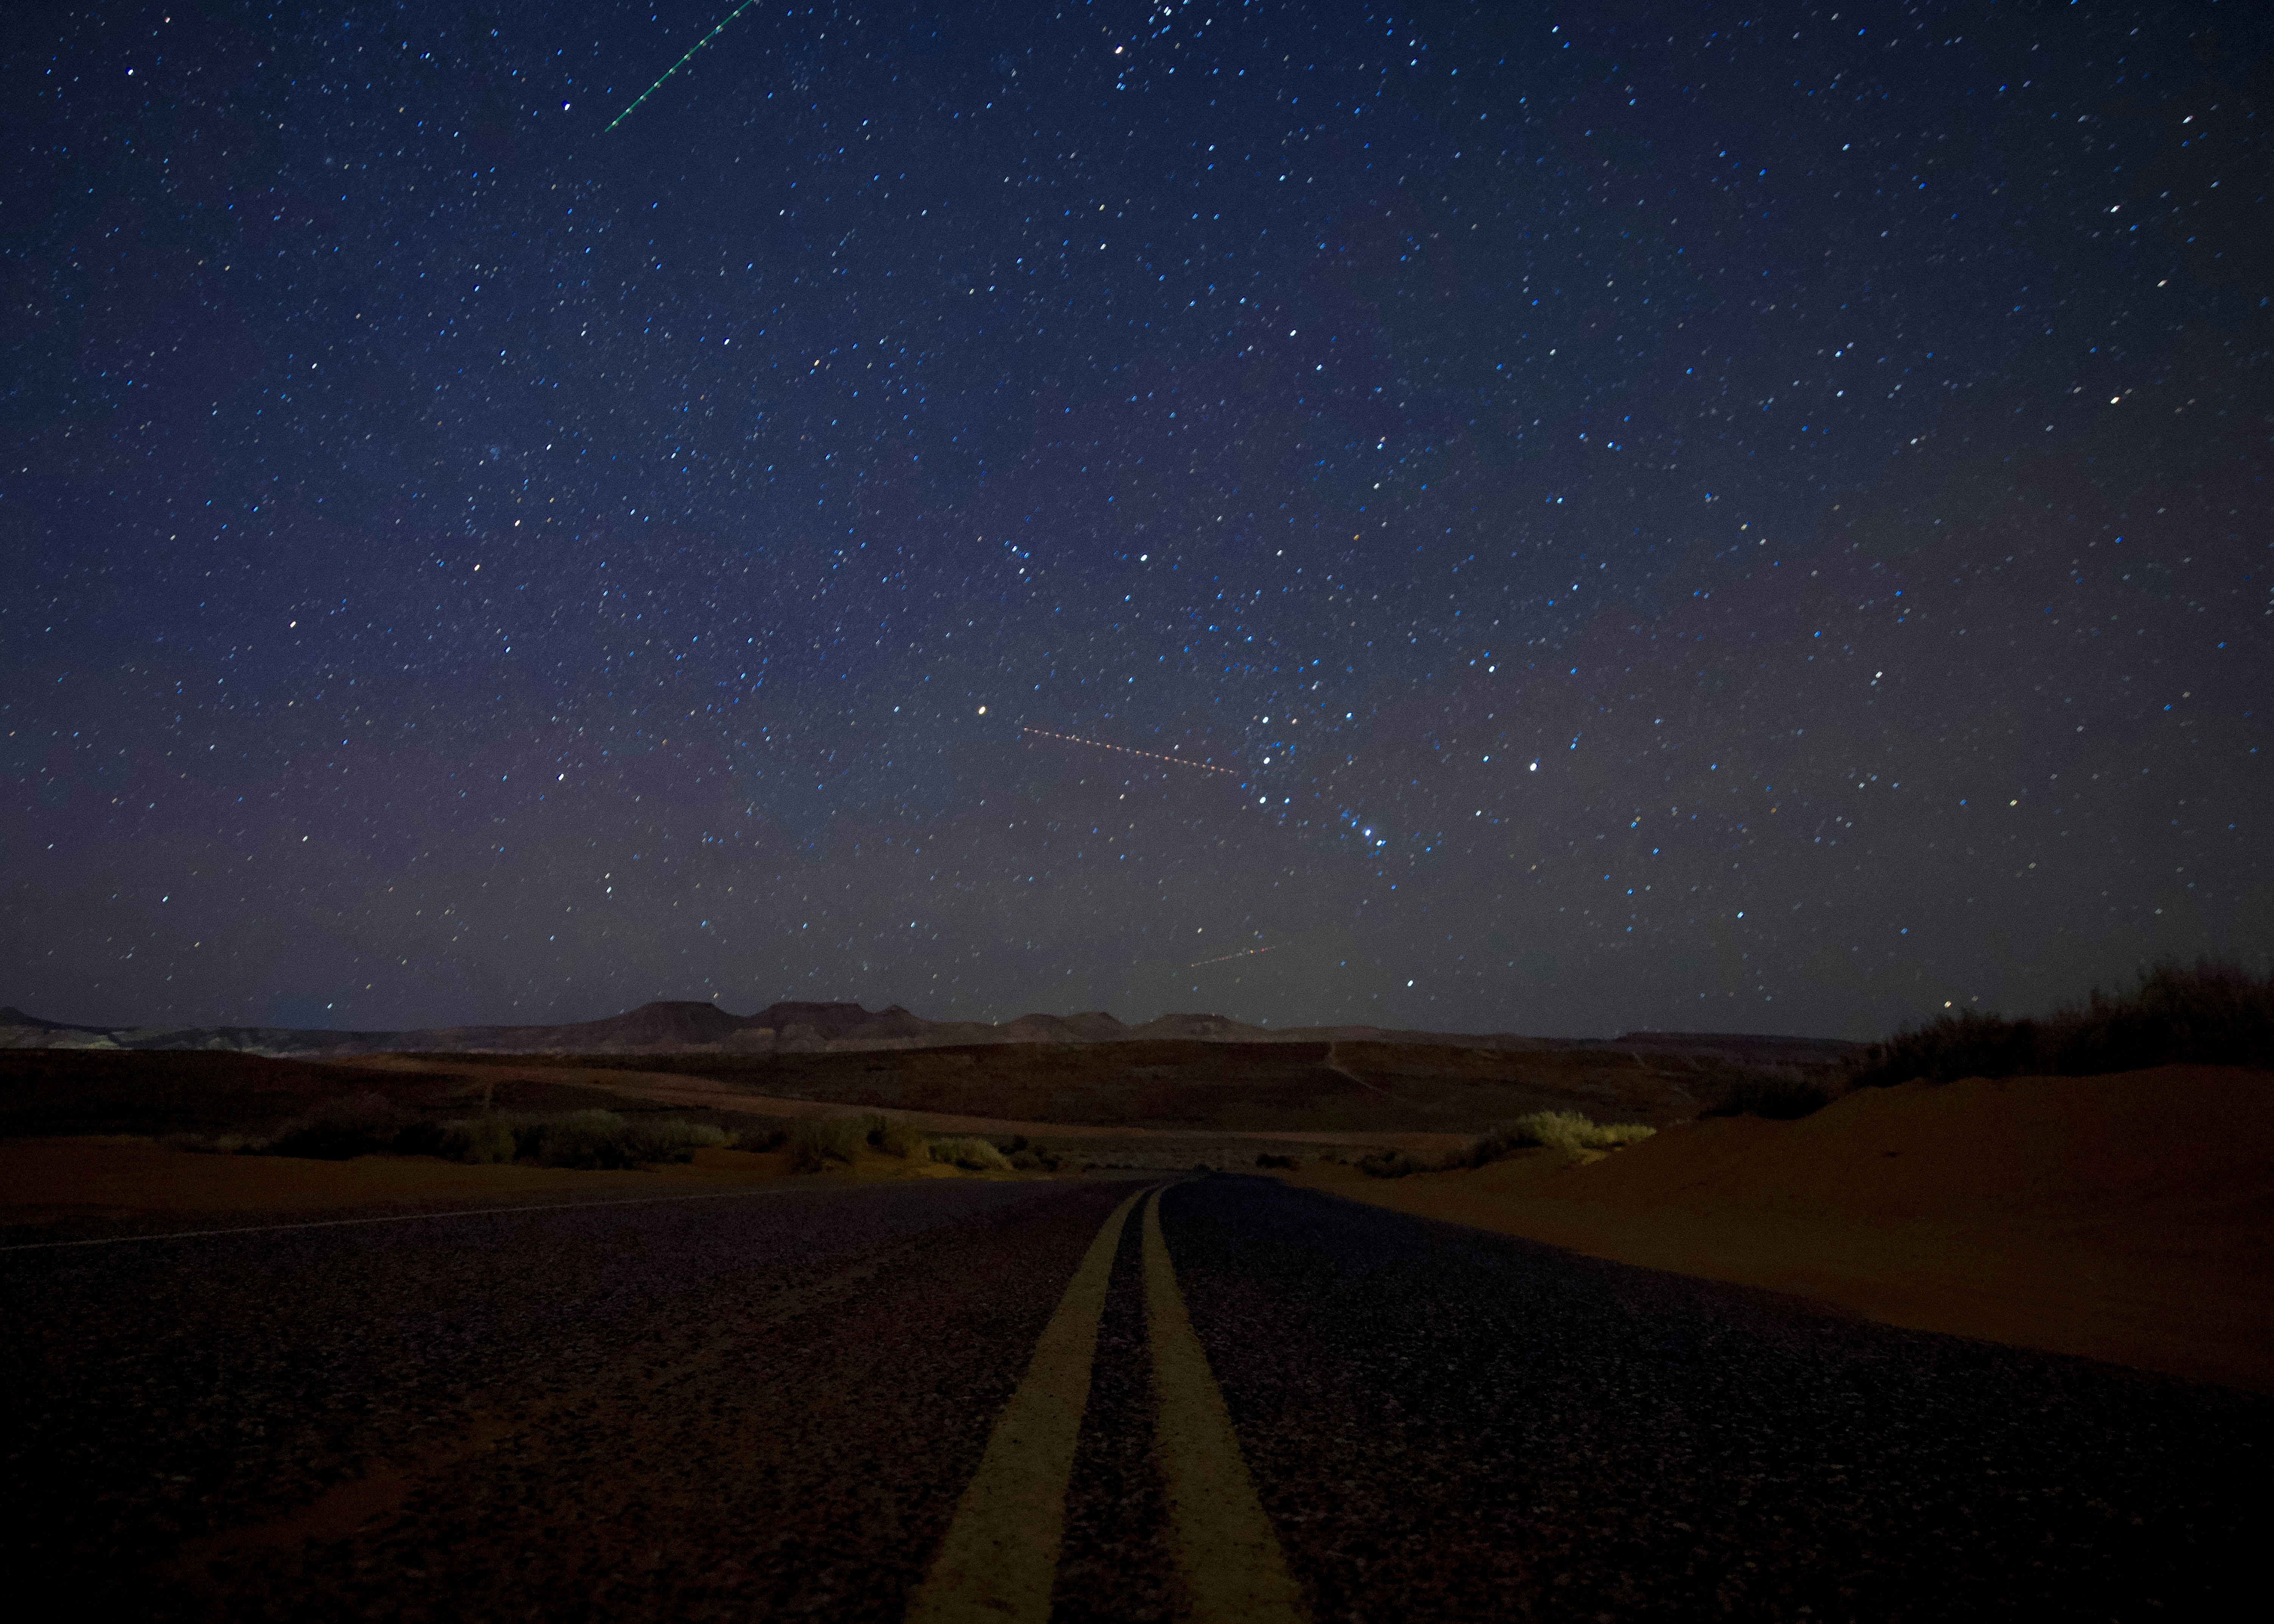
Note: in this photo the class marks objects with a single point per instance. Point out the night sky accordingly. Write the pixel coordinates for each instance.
(1667, 516)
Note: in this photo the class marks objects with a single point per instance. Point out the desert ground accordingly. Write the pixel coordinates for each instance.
(2128, 1218)
(1177, 1086)
(1980, 1347)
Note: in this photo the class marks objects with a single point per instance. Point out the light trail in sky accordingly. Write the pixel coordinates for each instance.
(675, 66)
(1246, 953)
(1174, 761)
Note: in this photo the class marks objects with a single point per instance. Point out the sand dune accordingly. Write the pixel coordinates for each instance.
(2127, 1218)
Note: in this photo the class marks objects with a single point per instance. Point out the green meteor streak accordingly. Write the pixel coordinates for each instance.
(675, 66)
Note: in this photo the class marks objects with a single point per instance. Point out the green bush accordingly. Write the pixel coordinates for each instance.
(1267, 1160)
(2208, 1014)
(1551, 1131)
(598, 1139)
(815, 1141)
(574, 1139)
(899, 1138)
(670, 1139)
(973, 1155)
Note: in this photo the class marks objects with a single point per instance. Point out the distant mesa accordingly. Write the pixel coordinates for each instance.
(672, 1027)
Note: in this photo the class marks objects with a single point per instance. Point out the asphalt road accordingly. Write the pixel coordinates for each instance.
(895, 1401)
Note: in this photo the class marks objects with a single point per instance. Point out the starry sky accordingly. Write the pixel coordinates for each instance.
(1687, 517)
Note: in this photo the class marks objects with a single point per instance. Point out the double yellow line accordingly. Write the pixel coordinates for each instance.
(1000, 1558)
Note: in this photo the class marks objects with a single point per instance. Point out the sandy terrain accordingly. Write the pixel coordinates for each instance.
(2127, 1218)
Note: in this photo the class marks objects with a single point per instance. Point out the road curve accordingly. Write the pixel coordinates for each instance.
(1096, 1399)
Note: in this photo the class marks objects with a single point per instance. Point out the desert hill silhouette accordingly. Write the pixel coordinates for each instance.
(790, 1027)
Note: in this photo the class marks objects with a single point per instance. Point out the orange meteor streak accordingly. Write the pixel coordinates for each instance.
(1248, 953)
(1094, 744)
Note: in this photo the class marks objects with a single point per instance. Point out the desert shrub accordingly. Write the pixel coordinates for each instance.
(1779, 1099)
(1393, 1164)
(371, 1123)
(2207, 1013)
(973, 1155)
(1552, 1130)
(591, 1139)
(1489, 1147)
(597, 1139)
(815, 1141)
(899, 1138)
(1267, 1160)
(483, 1140)
(357, 1125)
(1967, 1044)
(669, 1139)
(1024, 1161)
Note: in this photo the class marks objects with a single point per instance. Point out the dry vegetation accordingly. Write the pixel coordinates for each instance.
(2203, 1014)
(2200, 1014)
(373, 1124)
(1540, 1131)
(816, 1141)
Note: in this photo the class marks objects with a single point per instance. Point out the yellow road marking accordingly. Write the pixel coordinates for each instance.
(1001, 1554)
(1230, 1560)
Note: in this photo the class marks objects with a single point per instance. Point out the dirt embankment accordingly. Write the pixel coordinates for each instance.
(2128, 1218)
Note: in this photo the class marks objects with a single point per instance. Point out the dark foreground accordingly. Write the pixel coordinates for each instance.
(769, 1405)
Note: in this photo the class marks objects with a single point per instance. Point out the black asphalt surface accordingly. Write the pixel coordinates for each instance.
(767, 1407)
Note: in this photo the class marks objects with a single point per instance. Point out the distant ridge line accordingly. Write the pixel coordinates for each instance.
(691, 1026)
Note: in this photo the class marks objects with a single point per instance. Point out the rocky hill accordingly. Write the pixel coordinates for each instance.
(685, 1026)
